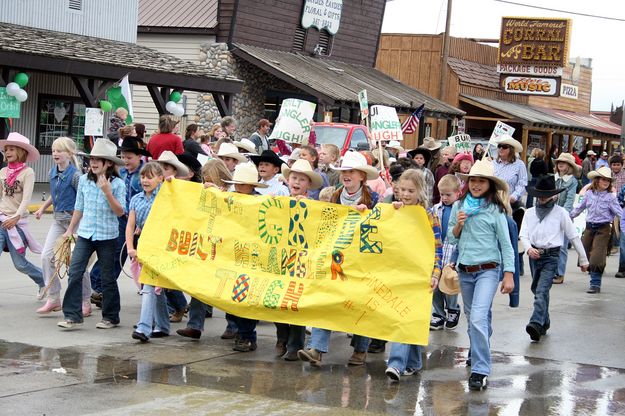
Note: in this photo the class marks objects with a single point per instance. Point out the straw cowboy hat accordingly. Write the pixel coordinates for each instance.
(568, 158)
(394, 144)
(545, 187)
(357, 161)
(170, 158)
(17, 140)
(230, 150)
(449, 283)
(246, 174)
(104, 149)
(484, 169)
(602, 172)
(247, 145)
(510, 141)
(431, 143)
(303, 166)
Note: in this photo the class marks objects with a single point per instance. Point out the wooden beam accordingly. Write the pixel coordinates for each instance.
(548, 146)
(505, 120)
(223, 103)
(85, 90)
(524, 142)
(157, 98)
(570, 143)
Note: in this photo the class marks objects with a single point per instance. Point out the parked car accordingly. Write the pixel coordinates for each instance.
(344, 135)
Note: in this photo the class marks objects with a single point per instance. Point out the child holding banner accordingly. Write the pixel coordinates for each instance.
(405, 359)
(354, 173)
(478, 225)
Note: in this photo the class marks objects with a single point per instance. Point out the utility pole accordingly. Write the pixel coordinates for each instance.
(442, 90)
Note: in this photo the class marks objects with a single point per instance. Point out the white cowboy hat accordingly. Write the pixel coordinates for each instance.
(568, 158)
(230, 150)
(484, 169)
(430, 143)
(295, 154)
(246, 174)
(394, 144)
(104, 149)
(247, 145)
(357, 161)
(17, 140)
(510, 141)
(170, 158)
(602, 172)
(449, 283)
(303, 166)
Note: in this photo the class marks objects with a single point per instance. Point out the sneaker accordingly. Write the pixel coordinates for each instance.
(593, 290)
(106, 324)
(244, 345)
(280, 349)
(620, 275)
(392, 373)
(158, 334)
(86, 308)
(452, 319)
(377, 346)
(310, 355)
(478, 381)
(141, 337)
(50, 306)
(534, 330)
(189, 333)
(437, 323)
(41, 292)
(410, 372)
(558, 280)
(68, 324)
(291, 356)
(357, 358)
(96, 299)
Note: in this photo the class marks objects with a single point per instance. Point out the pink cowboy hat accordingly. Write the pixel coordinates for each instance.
(17, 140)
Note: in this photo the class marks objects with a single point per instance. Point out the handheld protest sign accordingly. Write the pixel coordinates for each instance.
(293, 122)
(499, 130)
(462, 143)
(385, 125)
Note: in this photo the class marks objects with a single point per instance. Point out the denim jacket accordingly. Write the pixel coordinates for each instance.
(63, 188)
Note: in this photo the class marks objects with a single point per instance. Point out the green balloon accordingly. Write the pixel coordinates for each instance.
(105, 106)
(175, 96)
(21, 79)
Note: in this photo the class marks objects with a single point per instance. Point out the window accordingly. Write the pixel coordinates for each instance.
(59, 116)
(359, 140)
(299, 40)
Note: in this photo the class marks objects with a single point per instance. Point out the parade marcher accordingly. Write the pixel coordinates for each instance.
(100, 201)
(17, 181)
(229, 153)
(310, 154)
(462, 164)
(329, 155)
(478, 225)
(154, 319)
(64, 177)
(301, 178)
(190, 143)
(434, 146)
(567, 172)
(447, 157)
(405, 359)
(544, 230)
(394, 149)
(445, 308)
(588, 165)
(269, 164)
(601, 207)
(354, 192)
(422, 157)
(214, 173)
(260, 136)
(166, 138)
(537, 168)
(511, 169)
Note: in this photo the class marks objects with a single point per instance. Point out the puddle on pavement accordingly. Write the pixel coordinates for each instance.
(519, 385)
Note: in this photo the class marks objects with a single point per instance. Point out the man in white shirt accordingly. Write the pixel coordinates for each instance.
(259, 137)
(542, 233)
(269, 164)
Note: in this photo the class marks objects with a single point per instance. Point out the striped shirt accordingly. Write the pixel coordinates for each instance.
(98, 222)
(448, 248)
(141, 205)
(514, 174)
(438, 245)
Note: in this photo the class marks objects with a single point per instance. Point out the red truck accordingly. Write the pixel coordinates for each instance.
(345, 136)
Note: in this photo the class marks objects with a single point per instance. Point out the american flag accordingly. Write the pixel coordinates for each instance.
(411, 124)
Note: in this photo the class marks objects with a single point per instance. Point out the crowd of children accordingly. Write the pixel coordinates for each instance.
(469, 203)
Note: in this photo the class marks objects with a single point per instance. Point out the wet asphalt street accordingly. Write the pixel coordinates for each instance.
(577, 369)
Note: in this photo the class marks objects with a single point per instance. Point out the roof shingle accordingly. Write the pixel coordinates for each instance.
(197, 14)
(475, 74)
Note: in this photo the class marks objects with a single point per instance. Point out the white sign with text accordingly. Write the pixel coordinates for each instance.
(462, 143)
(385, 124)
(322, 14)
(500, 129)
(293, 122)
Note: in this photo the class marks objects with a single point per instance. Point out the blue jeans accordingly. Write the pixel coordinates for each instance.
(403, 356)
(231, 323)
(564, 255)
(72, 302)
(543, 271)
(320, 340)
(530, 200)
(247, 328)
(293, 336)
(197, 314)
(442, 303)
(621, 258)
(96, 272)
(153, 311)
(19, 260)
(478, 290)
(175, 300)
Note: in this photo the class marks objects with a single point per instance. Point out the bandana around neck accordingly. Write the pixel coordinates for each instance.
(13, 170)
(350, 199)
(472, 205)
(542, 210)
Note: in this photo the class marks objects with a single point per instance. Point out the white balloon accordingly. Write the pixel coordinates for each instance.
(178, 111)
(170, 106)
(13, 88)
(21, 96)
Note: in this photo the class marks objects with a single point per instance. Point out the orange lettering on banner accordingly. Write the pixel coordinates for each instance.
(292, 296)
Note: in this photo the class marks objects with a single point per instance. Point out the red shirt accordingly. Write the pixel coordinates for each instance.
(164, 141)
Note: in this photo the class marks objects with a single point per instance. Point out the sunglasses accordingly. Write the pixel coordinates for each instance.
(503, 146)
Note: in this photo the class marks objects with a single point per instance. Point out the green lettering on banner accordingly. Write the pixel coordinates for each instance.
(9, 106)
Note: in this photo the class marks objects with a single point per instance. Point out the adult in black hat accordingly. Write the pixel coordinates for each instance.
(269, 165)
(545, 187)
(134, 144)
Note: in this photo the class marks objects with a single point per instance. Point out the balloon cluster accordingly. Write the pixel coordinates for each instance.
(106, 106)
(173, 105)
(16, 88)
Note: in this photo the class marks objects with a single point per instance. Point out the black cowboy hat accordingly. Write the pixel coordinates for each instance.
(189, 161)
(427, 154)
(545, 187)
(267, 156)
(134, 144)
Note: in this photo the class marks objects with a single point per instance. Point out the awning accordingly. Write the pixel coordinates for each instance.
(334, 82)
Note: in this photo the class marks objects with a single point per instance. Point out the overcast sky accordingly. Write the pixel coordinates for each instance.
(599, 39)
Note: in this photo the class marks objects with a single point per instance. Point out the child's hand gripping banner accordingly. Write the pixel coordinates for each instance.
(300, 262)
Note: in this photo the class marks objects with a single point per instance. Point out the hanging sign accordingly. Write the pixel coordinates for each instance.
(385, 125)
(94, 121)
(9, 106)
(322, 14)
(364, 104)
(500, 129)
(569, 91)
(538, 70)
(293, 122)
(462, 143)
(515, 84)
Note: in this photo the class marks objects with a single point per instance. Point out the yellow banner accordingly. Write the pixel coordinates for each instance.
(301, 262)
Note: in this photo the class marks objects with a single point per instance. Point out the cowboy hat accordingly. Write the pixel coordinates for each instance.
(510, 141)
(295, 154)
(357, 161)
(268, 156)
(247, 145)
(246, 174)
(602, 172)
(230, 150)
(449, 283)
(545, 187)
(189, 161)
(17, 140)
(568, 158)
(427, 155)
(133, 144)
(394, 144)
(484, 169)
(303, 166)
(431, 143)
(104, 149)
(170, 158)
